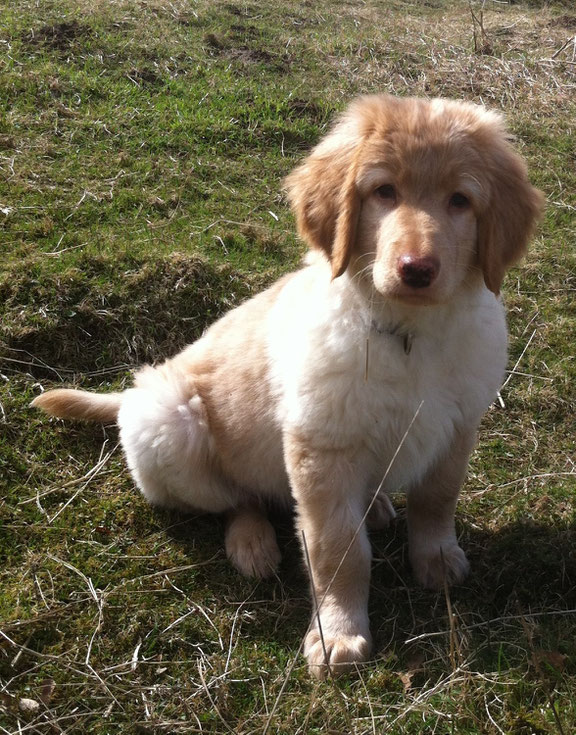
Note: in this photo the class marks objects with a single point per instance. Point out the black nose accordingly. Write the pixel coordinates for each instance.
(418, 272)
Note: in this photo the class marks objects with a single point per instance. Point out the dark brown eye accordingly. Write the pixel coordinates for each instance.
(387, 192)
(459, 201)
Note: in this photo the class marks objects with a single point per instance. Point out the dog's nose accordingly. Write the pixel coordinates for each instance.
(418, 272)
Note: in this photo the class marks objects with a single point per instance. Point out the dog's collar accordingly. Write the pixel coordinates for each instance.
(398, 331)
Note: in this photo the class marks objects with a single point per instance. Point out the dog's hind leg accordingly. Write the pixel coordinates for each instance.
(171, 453)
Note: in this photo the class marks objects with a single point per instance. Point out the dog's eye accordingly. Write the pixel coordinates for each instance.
(459, 201)
(387, 192)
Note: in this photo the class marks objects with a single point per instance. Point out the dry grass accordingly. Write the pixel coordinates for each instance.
(142, 145)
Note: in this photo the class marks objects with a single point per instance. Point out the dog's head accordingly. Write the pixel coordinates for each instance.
(417, 196)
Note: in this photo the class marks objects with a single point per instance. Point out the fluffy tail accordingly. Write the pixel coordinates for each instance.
(79, 404)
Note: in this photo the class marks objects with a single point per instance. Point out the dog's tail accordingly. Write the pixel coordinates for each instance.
(79, 404)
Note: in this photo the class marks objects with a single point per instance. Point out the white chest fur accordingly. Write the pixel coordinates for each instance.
(345, 384)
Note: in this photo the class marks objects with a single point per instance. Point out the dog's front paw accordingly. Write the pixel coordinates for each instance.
(434, 564)
(337, 655)
(251, 546)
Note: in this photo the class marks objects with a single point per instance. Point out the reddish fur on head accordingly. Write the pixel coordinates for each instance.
(324, 194)
(511, 214)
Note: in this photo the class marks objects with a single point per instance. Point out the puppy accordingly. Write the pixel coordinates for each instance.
(365, 372)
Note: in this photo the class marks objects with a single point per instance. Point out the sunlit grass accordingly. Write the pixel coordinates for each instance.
(142, 151)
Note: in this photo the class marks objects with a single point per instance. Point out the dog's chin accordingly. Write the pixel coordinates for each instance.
(408, 296)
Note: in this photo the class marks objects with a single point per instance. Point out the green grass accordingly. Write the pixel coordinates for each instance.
(142, 151)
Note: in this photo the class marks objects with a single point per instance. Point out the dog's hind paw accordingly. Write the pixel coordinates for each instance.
(381, 513)
(251, 544)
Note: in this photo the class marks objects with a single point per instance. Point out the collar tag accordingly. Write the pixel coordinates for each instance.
(406, 337)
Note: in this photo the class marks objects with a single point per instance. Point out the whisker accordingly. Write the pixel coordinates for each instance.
(368, 253)
(365, 269)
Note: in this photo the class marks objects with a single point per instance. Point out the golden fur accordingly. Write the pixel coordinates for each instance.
(365, 372)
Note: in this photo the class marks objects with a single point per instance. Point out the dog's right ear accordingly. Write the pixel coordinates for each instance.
(324, 197)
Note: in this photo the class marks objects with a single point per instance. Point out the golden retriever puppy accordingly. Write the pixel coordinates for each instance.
(363, 373)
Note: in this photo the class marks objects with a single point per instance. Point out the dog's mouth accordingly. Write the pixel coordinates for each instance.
(394, 289)
(414, 296)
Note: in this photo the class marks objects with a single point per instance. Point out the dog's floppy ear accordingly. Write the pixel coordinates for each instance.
(509, 218)
(324, 197)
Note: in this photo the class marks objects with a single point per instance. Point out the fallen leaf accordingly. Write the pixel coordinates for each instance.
(29, 706)
(406, 679)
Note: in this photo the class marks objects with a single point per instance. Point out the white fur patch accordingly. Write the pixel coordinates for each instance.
(168, 446)
(318, 337)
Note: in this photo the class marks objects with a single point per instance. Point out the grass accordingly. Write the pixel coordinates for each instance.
(142, 149)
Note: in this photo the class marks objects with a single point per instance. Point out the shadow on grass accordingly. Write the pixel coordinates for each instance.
(523, 577)
(519, 597)
(108, 313)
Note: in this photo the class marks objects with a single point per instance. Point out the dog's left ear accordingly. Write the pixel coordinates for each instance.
(509, 218)
(325, 200)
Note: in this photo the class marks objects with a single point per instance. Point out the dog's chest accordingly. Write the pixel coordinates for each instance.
(348, 386)
(410, 404)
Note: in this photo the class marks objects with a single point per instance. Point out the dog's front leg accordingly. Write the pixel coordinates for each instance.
(330, 504)
(431, 504)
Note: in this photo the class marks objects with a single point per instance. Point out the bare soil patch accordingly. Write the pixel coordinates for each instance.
(60, 36)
